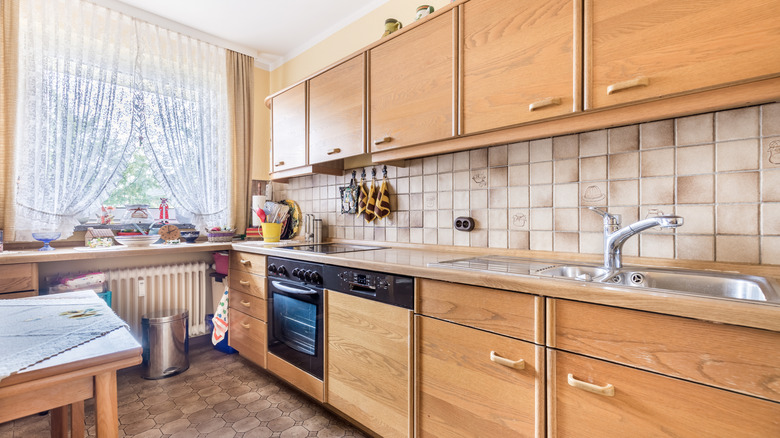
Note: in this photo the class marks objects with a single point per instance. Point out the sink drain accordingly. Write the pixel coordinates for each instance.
(636, 278)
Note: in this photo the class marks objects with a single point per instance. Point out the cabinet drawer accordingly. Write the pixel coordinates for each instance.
(249, 336)
(247, 283)
(18, 277)
(247, 262)
(647, 404)
(249, 304)
(513, 314)
(462, 392)
(737, 358)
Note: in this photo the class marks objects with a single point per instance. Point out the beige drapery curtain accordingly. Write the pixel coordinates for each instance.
(240, 91)
(9, 54)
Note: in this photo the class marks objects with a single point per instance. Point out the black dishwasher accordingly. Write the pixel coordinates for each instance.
(396, 290)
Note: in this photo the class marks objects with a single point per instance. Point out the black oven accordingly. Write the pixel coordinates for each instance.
(295, 298)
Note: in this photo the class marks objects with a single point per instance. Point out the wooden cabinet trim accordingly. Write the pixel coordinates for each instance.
(247, 262)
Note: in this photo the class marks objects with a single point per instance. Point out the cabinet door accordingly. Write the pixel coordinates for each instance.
(644, 404)
(288, 114)
(19, 277)
(464, 390)
(336, 112)
(248, 335)
(519, 61)
(646, 49)
(412, 87)
(368, 357)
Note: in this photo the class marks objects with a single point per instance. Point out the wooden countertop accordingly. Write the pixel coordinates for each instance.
(414, 262)
(70, 253)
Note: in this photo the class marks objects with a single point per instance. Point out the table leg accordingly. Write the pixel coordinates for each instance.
(106, 405)
(77, 420)
(59, 422)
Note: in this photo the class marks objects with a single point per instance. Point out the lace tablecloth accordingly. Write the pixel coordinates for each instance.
(35, 329)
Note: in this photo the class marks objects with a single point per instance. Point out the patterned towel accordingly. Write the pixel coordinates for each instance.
(362, 197)
(382, 207)
(220, 319)
(369, 214)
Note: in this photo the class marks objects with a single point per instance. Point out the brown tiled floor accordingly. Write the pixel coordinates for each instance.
(219, 396)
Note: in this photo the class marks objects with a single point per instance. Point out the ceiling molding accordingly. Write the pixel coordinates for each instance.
(268, 61)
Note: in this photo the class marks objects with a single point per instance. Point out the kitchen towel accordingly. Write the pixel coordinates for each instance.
(362, 197)
(369, 214)
(220, 319)
(382, 207)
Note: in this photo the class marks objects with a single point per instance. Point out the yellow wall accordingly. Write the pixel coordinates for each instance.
(261, 135)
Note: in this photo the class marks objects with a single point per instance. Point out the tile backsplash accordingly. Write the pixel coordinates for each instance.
(720, 171)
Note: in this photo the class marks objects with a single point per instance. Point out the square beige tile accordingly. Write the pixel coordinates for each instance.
(460, 200)
(430, 183)
(540, 150)
(737, 155)
(519, 240)
(593, 168)
(497, 177)
(770, 250)
(695, 189)
(591, 243)
(737, 124)
(740, 249)
(697, 219)
(770, 219)
(770, 153)
(497, 219)
(415, 201)
(399, 172)
(566, 219)
(430, 236)
(593, 143)
(402, 219)
(541, 173)
(430, 200)
(444, 182)
(445, 200)
(498, 239)
(445, 163)
(737, 187)
(430, 165)
(590, 221)
(770, 119)
(479, 238)
(566, 242)
(656, 245)
(566, 171)
(479, 179)
(657, 162)
(696, 247)
(655, 191)
(415, 184)
(460, 161)
(461, 180)
(657, 134)
(415, 167)
(542, 196)
(404, 235)
(518, 197)
(416, 219)
(695, 159)
(770, 187)
(518, 153)
(629, 214)
(622, 166)
(625, 192)
(480, 217)
(479, 199)
(566, 146)
(445, 236)
(519, 219)
(403, 202)
(497, 197)
(566, 195)
(541, 219)
(593, 193)
(519, 175)
(695, 129)
(541, 241)
(478, 158)
(623, 139)
(497, 156)
(431, 219)
(737, 219)
(461, 238)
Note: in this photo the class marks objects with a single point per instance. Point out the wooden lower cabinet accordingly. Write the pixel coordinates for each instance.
(593, 398)
(18, 280)
(248, 335)
(368, 363)
(464, 388)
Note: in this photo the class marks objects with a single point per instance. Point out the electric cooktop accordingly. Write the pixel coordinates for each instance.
(331, 248)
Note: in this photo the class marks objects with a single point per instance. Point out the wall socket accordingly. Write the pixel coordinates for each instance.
(464, 223)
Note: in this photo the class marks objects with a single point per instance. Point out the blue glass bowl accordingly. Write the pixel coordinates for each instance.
(46, 238)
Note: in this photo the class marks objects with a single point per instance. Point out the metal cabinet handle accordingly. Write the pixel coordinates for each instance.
(550, 101)
(244, 282)
(280, 163)
(607, 389)
(383, 140)
(245, 325)
(245, 303)
(516, 364)
(641, 81)
(333, 151)
(245, 262)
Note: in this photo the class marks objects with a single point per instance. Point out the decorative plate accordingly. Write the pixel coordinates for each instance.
(295, 217)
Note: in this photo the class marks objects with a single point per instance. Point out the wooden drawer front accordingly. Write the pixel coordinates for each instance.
(249, 336)
(247, 262)
(12, 295)
(248, 283)
(249, 304)
(509, 313)
(19, 277)
(737, 358)
(645, 404)
(461, 392)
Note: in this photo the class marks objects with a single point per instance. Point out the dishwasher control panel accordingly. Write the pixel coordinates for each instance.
(396, 290)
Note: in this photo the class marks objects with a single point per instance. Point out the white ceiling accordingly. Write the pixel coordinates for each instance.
(273, 31)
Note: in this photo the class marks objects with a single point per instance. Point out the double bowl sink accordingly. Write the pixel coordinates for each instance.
(700, 283)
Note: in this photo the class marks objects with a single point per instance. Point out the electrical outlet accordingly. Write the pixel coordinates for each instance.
(464, 223)
(141, 287)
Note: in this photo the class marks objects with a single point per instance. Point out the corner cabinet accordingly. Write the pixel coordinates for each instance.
(412, 85)
(520, 61)
(288, 120)
(648, 49)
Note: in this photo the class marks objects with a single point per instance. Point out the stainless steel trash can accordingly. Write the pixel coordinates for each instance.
(166, 343)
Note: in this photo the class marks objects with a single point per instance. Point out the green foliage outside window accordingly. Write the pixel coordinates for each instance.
(137, 185)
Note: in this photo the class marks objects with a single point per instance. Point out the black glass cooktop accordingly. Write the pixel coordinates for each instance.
(331, 248)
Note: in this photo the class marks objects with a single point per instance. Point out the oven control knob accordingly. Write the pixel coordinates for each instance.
(316, 278)
(272, 268)
(307, 275)
(296, 272)
(282, 271)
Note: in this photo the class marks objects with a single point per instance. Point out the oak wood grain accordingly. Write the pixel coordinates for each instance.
(249, 336)
(247, 262)
(248, 283)
(106, 419)
(19, 277)
(298, 378)
(288, 121)
(249, 304)
(16, 404)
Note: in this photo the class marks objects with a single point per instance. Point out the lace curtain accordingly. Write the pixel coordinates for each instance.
(92, 81)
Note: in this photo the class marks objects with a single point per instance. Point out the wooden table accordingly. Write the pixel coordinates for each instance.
(63, 382)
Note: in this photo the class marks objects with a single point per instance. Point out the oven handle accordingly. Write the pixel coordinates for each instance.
(294, 290)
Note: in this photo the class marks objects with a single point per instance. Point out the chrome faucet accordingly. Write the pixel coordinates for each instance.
(615, 237)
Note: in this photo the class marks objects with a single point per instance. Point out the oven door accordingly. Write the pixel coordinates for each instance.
(295, 325)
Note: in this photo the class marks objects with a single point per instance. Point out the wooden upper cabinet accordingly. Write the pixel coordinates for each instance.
(520, 61)
(336, 112)
(646, 49)
(289, 128)
(411, 85)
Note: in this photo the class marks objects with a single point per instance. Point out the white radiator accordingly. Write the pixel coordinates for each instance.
(138, 291)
